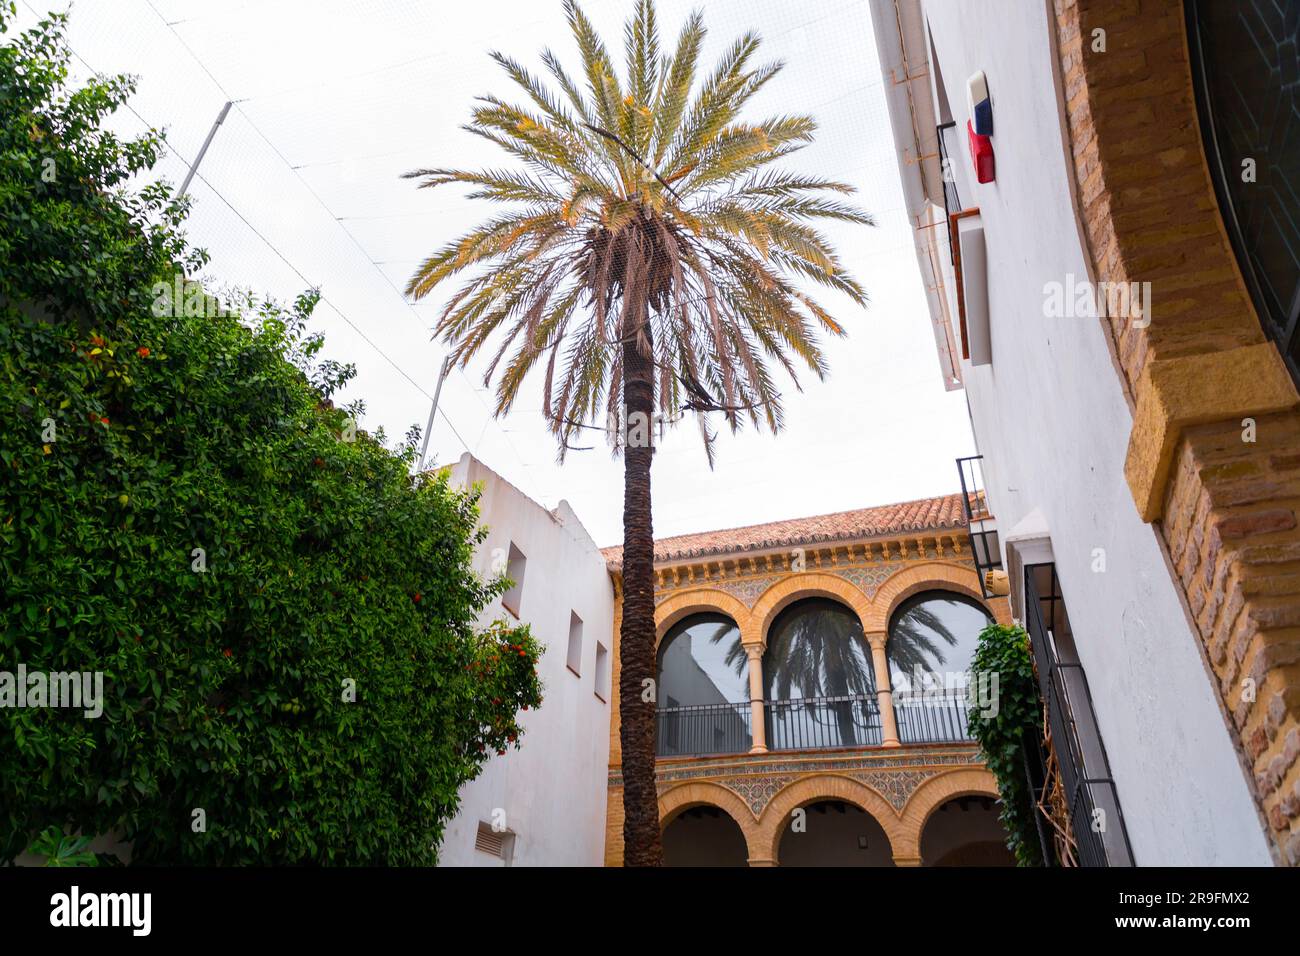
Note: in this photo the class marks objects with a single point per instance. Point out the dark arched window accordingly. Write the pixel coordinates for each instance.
(815, 648)
(701, 662)
(934, 633)
(818, 679)
(703, 688)
(932, 641)
(1248, 96)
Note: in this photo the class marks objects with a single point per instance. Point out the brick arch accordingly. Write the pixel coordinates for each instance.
(702, 793)
(699, 601)
(1148, 211)
(824, 786)
(796, 587)
(1124, 165)
(932, 576)
(933, 794)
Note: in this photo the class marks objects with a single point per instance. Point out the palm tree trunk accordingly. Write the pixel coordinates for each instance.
(641, 841)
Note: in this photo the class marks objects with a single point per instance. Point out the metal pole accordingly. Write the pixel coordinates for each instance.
(437, 391)
(194, 167)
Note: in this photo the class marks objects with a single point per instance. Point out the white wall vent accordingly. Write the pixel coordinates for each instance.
(497, 843)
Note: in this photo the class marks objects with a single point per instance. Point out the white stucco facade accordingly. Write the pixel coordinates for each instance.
(1051, 419)
(551, 792)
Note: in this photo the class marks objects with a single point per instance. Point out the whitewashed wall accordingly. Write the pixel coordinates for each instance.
(553, 788)
(1052, 423)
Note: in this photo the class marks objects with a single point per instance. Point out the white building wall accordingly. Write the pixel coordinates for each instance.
(1052, 423)
(553, 789)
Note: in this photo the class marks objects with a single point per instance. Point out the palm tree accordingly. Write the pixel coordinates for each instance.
(648, 263)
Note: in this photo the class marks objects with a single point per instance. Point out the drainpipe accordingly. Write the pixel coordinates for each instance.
(904, 61)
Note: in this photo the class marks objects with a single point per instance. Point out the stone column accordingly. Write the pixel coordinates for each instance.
(884, 696)
(759, 727)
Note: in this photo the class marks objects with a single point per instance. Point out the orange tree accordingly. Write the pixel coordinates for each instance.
(649, 261)
(283, 621)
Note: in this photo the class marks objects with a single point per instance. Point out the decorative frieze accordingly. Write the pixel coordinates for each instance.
(745, 591)
(868, 579)
(757, 779)
(748, 588)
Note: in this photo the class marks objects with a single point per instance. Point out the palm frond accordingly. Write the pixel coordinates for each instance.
(641, 41)
(679, 73)
(720, 99)
(503, 185)
(602, 82)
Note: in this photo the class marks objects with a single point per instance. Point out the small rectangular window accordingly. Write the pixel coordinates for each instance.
(515, 567)
(574, 659)
(602, 671)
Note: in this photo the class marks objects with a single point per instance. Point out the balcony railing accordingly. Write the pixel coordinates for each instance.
(808, 723)
(931, 720)
(703, 729)
(1096, 820)
(981, 528)
(817, 723)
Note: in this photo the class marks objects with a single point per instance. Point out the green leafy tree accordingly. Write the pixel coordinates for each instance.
(649, 261)
(283, 618)
(60, 849)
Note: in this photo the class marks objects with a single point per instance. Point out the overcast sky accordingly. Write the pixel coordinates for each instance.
(336, 98)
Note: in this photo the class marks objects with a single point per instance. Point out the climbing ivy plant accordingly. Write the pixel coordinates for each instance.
(1003, 730)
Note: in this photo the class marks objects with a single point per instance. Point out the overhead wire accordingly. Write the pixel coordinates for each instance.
(346, 231)
(373, 261)
(275, 249)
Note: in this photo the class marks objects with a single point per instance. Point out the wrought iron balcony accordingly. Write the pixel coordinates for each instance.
(807, 723)
(817, 723)
(931, 720)
(1100, 837)
(981, 528)
(703, 729)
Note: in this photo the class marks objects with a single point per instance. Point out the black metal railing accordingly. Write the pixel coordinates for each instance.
(703, 729)
(814, 723)
(809, 723)
(931, 719)
(951, 201)
(1096, 820)
(981, 528)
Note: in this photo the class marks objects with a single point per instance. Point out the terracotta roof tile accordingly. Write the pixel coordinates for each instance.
(924, 514)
